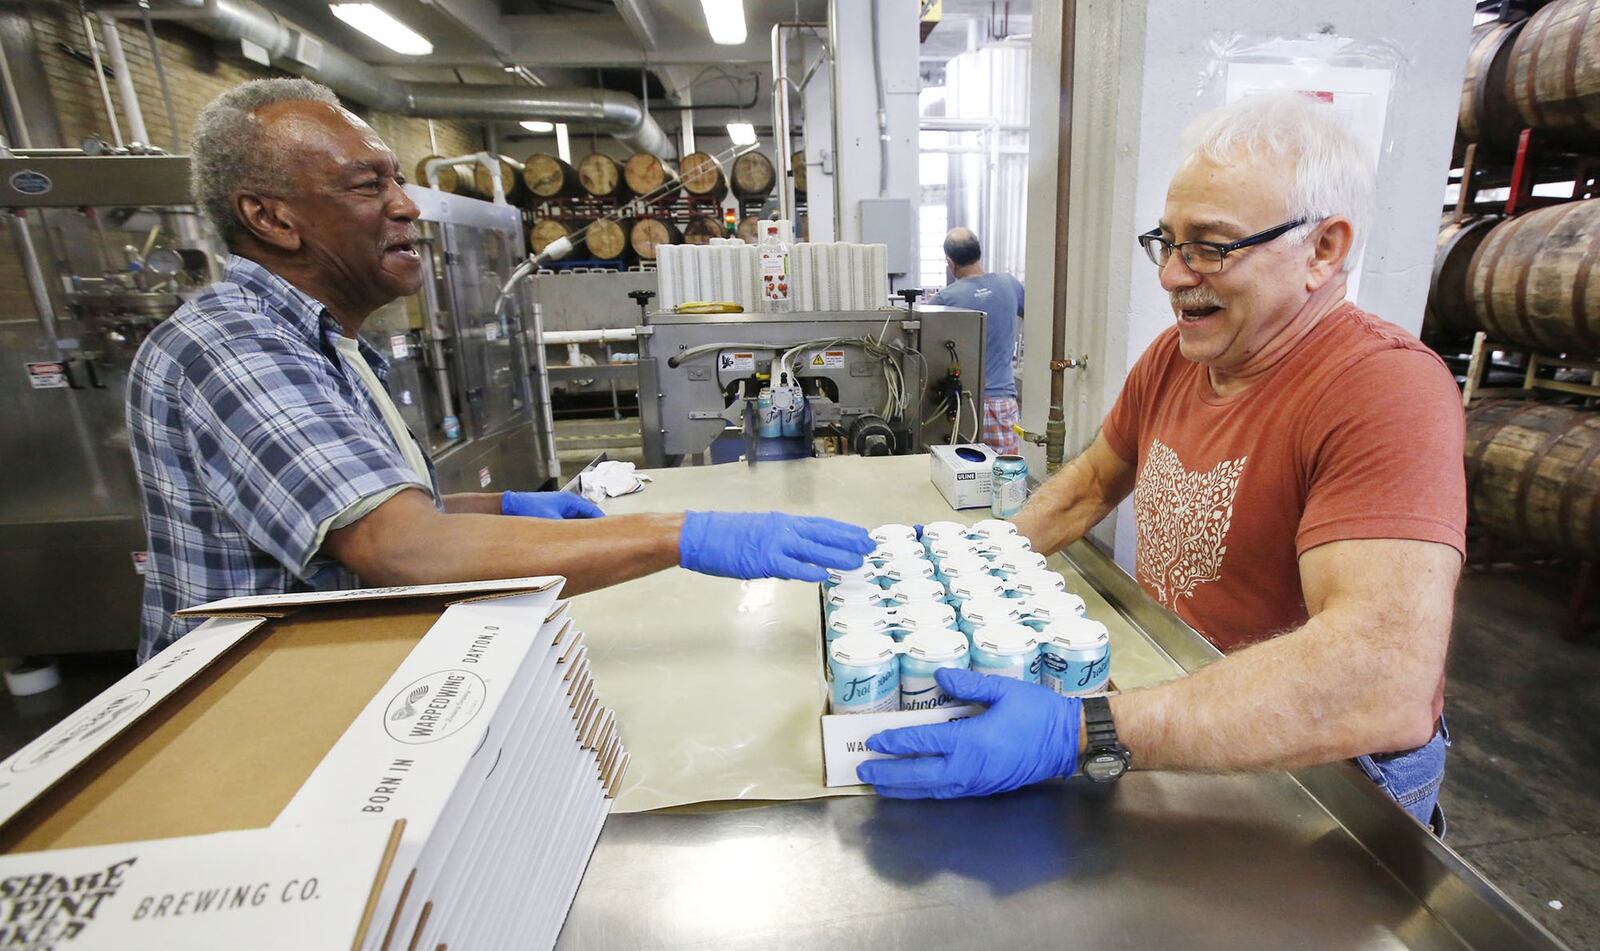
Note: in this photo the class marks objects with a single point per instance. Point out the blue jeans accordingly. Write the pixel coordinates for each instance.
(1412, 777)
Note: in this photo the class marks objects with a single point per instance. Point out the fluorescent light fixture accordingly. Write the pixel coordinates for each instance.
(742, 133)
(725, 20)
(538, 125)
(563, 147)
(382, 27)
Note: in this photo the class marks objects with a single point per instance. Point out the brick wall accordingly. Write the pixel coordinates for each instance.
(195, 74)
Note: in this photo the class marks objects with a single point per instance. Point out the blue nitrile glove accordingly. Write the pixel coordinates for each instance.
(1028, 734)
(769, 545)
(548, 505)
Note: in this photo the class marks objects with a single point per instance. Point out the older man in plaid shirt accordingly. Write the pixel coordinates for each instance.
(269, 454)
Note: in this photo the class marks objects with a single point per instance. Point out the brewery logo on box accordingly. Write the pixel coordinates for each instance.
(43, 910)
(435, 707)
(81, 731)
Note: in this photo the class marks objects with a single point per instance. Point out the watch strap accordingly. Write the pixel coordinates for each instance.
(1098, 723)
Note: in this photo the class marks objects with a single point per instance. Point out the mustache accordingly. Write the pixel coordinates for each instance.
(409, 237)
(1191, 298)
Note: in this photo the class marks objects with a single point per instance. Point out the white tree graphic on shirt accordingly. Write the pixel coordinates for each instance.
(1183, 519)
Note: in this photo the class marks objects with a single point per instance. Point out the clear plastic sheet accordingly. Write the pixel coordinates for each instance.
(717, 684)
(1358, 78)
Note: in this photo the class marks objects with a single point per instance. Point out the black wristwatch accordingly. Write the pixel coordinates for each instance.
(1104, 759)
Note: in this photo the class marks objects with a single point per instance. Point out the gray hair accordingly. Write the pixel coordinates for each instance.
(1333, 174)
(230, 151)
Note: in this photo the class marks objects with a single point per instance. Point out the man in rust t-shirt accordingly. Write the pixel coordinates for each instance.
(1296, 472)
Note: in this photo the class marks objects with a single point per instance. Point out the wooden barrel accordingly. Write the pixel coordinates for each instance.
(750, 229)
(797, 166)
(1533, 474)
(753, 175)
(607, 239)
(546, 230)
(702, 176)
(1487, 115)
(601, 176)
(645, 174)
(516, 190)
(1535, 280)
(700, 229)
(549, 177)
(451, 178)
(1448, 317)
(646, 233)
(1554, 77)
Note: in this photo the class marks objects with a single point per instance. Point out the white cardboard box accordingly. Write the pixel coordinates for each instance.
(962, 474)
(290, 739)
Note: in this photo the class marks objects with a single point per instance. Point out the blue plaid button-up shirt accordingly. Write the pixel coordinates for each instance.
(249, 437)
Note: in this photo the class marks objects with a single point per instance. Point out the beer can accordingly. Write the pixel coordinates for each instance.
(1076, 656)
(865, 674)
(854, 594)
(1041, 609)
(902, 568)
(975, 588)
(925, 652)
(889, 551)
(914, 591)
(769, 422)
(893, 532)
(990, 528)
(998, 546)
(961, 569)
(1007, 649)
(859, 619)
(1030, 584)
(1009, 486)
(942, 531)
(981, 612)
(866, 574)
(949, 549)
(1009, 564)
(922, 616)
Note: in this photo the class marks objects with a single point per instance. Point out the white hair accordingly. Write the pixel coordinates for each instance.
(230, 149)
(1333, 174)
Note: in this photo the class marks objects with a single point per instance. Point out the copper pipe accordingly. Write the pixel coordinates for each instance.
(1056, 425)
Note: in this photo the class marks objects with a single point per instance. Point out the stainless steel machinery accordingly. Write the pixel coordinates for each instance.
(108, 246)
(590, 319)
(883, 381)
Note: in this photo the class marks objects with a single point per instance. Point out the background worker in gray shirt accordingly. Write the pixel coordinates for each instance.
(1000, 297)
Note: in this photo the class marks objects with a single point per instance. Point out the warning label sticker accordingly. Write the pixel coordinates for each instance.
(736, 361)
(48, 376)
(827, 360)
(399, 346)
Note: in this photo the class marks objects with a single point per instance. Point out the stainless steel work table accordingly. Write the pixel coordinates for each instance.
(1320, 859)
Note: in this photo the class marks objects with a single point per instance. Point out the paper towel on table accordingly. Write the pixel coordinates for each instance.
(610, 479)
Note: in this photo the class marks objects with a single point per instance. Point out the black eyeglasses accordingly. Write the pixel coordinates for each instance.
(1206, 257)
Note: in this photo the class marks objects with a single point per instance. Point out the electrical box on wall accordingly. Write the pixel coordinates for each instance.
(888, 221)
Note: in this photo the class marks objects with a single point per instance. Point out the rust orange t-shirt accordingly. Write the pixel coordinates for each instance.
(1356, 434)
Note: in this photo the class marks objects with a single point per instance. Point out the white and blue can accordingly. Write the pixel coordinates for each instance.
(902, 568)
(1076, 656)
(980, 612)
(951, 549)
(990, 528)
(859, 619)
(866, 574)
(942, 531)
(1008, 483)
(914, 591)
(1031, 584)
(865, 674)
(975, 588)
(999, 546)
(1009, 564)
(923, 617)
(853, 594)
(1041, 610)
(894, 532)
(1007, 649)
(965, 569)
(890, 551)
(769, 422)
(925, 653)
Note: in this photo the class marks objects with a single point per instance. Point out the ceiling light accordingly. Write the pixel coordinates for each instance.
(742, 133)
(725, 20)
(538, 125)
(382, 27)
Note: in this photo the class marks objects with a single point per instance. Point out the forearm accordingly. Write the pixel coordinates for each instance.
(472, 503)
(1064, 508)
(1311, 696)
(590, 553)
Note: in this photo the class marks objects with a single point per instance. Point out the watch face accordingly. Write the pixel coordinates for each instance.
(1104, 766)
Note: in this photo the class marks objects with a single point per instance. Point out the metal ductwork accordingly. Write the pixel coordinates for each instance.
(616, 113)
